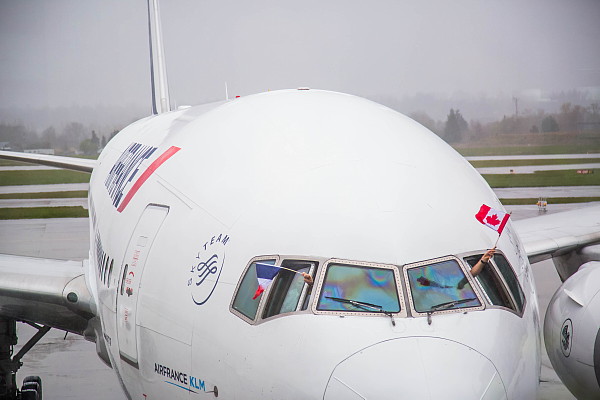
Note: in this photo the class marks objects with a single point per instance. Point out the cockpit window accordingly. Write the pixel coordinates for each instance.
(499, 282)
(440, 285)
(289, 289)
(359, 288)
(491, 283)
(511, 279)
(245, 301)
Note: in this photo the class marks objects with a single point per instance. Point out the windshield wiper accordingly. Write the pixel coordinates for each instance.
(364, 305)
(446, 305)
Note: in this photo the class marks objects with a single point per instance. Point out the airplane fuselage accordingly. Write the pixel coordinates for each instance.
(185, 204)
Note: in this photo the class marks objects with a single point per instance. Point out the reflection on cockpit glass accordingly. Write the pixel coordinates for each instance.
(440, 283)
(369, 285)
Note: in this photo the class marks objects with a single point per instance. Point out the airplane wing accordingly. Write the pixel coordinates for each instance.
(77, 164)
(53, 293)
(570, 238)
(48, 292)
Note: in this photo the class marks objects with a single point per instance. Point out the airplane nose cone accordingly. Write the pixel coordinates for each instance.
(416, 368)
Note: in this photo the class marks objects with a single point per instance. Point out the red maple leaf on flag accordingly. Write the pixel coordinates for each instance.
(493, 220)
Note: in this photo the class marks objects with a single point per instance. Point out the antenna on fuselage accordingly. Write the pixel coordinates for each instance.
(158, 67)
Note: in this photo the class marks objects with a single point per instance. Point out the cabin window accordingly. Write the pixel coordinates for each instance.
(243, 301)
(110, 271)
(125, 270)
(359, 289)
(105, 272)
(288, 290)
(511, 279)
(440, 286)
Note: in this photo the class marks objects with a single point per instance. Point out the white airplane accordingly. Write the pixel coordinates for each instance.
(185, 206)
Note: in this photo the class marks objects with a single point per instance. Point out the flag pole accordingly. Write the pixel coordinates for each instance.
(289, 269)
(496, 244)
(278, 266)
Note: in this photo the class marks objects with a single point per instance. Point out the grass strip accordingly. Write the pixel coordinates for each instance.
(568, 177)
(43, 212)
(550, 200)
(11, 163)
(521, 163)
(73, 194)
(42, 177)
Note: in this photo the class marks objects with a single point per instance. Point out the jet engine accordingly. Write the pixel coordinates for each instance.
(572, 332)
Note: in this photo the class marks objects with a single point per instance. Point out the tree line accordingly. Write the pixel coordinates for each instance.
(569, 119)
(74, 138)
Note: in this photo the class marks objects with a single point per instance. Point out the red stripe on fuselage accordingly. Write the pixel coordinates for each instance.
(157, 163)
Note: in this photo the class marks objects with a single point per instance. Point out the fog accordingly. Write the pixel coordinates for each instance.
(407, 54)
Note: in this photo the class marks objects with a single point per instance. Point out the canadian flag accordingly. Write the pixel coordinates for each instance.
(492, 218)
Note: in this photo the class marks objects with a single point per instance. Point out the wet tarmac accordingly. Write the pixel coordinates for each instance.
(70, 368)
(20, 203)
(550, 191)
(60, 238)
(530, 169)
(534, 157)
(60, 187)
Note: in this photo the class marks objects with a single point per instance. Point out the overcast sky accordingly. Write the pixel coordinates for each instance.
(95, 52)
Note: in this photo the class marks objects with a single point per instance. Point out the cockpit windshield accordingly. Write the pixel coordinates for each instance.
(359, 289)
(439, 284)
(346, 287)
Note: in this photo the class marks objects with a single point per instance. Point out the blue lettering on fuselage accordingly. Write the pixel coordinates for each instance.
(179, 379)
(197, 383)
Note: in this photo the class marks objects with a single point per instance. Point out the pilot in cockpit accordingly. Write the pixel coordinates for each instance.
(477, 268)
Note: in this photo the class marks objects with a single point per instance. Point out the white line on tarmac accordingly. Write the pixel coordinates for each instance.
(62, 187)
(25, 203)
(551, 191)
(530, 169)
(533, 157)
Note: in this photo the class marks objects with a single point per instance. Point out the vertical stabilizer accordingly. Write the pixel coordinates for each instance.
(158, 68)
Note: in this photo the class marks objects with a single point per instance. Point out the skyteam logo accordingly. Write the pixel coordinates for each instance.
(125, 179)
(206, 268)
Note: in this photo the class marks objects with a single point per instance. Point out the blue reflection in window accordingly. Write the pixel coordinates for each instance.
(440, 283)
(365, 284)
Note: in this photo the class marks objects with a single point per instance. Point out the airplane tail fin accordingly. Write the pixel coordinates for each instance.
(158, 69)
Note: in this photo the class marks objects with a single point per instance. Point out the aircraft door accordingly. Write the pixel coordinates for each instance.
(132, 268)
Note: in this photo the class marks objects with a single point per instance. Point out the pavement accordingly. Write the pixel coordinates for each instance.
(21, 203)
(534, 157)
(60, 187)
(68, 366)
(550, 191)
(530, 169)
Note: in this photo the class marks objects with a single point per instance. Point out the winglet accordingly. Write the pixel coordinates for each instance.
(158, 68)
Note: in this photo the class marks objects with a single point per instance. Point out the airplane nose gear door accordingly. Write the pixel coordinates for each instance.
(131, 276)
